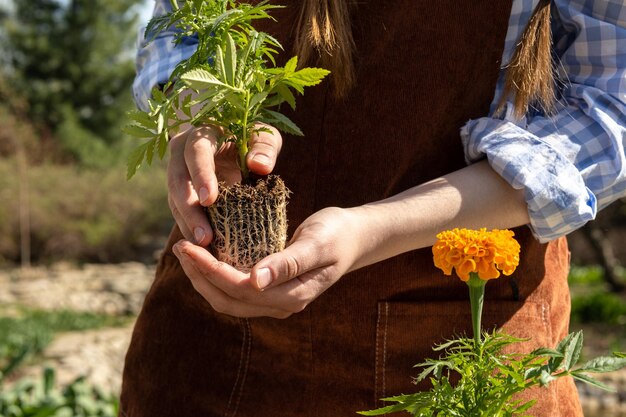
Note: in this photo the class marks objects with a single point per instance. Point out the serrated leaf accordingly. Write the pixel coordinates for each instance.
(158, 95)
(571, 348)
(137, 131)
(282, 122)
(592, 381)
(253, 43)
(604, 364)
(208, 107)
(547, 352)
(201, 79)
(307, 77)
(163, 141)
(208, 96)
(285, 93)
(556, 357)
(257, 99)
(185, 106)
(291, 65)
(135, 159)
(142, 118)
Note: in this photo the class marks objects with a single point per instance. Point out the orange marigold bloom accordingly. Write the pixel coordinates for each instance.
(486, 253)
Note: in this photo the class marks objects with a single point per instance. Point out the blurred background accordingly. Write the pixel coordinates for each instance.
(78, 243)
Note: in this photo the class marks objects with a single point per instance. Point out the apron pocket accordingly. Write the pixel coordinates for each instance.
(407, 331)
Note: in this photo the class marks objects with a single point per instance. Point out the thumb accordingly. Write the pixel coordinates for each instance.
(297, 259)
(265, 146)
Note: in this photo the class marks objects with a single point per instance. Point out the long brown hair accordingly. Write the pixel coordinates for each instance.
(324, 33)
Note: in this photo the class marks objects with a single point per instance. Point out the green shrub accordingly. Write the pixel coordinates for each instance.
(43, 399)
(30, 331)
(84, 215)
(592, 274)
(599, 307)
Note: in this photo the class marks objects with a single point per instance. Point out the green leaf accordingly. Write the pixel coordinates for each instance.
(48, 378)
(163, 141)
(547, 352)
(571, 347)
(158, 95)
(142, 118)
(255, 41)
(291, 65)
(137, 131)
(150, 151)
(135, 159)
(556, 357)
(592, 381)
(285, 93)
(219, 63)
(282, 122)
(207, 108)
(209, 96)
(230, 60)
(258, 98)
(186, 106)
(307, 77)
(604, 364)
(160, 123)
(201, 79)
(620, 354)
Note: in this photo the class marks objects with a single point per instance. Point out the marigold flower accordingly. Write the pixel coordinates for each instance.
(486, 253)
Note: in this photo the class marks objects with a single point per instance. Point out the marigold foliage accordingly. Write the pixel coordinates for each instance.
(485, 253)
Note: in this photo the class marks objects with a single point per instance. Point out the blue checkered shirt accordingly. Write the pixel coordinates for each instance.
(569, 164)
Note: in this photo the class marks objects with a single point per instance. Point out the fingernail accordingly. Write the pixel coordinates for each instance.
(176, 249)
(199, 234)
(203, 195)
(263, 278)
(262, 159)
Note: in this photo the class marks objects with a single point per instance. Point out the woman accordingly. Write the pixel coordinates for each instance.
(383, 169)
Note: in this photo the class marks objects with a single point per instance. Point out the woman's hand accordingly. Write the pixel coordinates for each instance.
(323, 248)
(195, 167)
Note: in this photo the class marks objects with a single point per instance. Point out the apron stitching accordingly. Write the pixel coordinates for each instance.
(248, 344)
(232, 393)
(376, 396)
(385, 348)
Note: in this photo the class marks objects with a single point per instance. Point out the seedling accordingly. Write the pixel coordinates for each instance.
(231, 82)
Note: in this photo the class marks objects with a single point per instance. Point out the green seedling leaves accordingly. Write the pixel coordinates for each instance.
(201, 79)
(137, 131)
(592, 381)
(604, 364)
(281, 122)
(487, 379)
(233, 75)
(571, 347)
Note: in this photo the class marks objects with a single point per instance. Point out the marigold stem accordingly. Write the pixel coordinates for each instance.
(477, 297)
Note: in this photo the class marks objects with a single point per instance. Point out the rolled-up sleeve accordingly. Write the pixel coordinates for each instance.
(572, 163)
(157, 59)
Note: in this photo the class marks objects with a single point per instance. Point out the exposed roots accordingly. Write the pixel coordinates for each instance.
(249, 222)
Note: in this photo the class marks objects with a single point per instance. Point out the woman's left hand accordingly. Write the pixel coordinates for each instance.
(323, 248)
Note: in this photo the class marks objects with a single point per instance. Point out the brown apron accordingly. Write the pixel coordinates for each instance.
(423, 70)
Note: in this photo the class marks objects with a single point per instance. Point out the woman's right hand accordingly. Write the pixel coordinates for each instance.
(195, 167)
